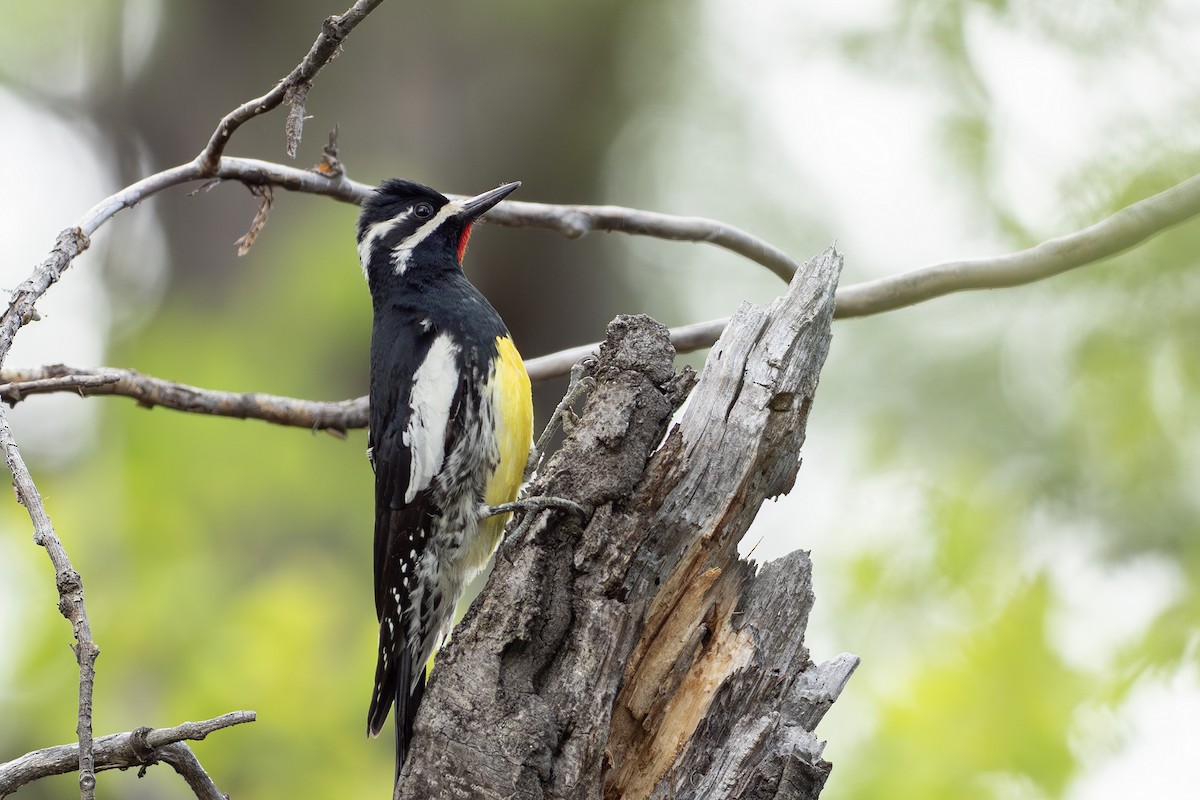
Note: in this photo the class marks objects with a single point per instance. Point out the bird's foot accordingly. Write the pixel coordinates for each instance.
(530, 507)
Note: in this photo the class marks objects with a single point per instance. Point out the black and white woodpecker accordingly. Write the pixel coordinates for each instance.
(450, 429)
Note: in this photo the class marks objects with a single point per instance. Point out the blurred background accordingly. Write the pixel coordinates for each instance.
(1001, 490)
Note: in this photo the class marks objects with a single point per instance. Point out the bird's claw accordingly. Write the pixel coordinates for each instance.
(530, 508)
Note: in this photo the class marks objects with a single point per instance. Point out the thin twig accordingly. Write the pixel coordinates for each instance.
(1122, 230)
(336, 417)
(17, 390)
(575, 221)
(181, 759)
(73, 241)
(70, 601)
(121, 750)
(294, 88)
(70, 243)
(249, 171)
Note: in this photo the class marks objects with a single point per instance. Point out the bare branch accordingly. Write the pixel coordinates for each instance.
(1119, 232)
(336, 417)
(1123, 230)
(16, 391)
(184, 761)
(294, 88)
(70, 244)
(1126, 228)
(140, 747)
(575, 221)
(70, 601)
(569, 221)
(249, 171)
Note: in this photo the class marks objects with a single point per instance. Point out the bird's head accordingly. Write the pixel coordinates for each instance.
(406, 225)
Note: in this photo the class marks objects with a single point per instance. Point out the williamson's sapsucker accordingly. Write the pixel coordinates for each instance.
(450, 429)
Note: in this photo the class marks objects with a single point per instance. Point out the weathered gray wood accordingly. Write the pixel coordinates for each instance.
(636, 655)
(139, 748)
(756, 740)
(520, 698)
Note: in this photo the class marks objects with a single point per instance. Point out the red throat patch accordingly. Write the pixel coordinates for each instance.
(462, 242)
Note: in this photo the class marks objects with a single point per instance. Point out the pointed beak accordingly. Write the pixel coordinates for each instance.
(474, 207)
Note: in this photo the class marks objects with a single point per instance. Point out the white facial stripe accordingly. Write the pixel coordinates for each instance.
(374, 233)
(403, 252)
(432, 393)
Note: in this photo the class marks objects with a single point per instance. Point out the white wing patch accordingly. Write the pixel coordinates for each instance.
(433, 389)
(402, 255)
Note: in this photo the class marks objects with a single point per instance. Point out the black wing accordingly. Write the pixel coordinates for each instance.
(421, 363)
(395, 356)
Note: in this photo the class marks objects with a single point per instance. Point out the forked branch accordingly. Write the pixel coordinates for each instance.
(71, 242)
(70, 602)
(1121, 231)
(293, 89)
(141, 747)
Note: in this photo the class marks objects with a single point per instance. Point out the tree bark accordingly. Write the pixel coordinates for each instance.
(633, 654)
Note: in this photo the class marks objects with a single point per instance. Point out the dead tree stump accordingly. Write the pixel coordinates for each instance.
(633, 654)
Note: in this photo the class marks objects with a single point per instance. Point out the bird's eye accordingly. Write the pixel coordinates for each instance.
(423, 210)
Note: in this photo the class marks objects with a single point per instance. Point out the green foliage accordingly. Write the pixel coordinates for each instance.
(1052, 427)
(995, 700)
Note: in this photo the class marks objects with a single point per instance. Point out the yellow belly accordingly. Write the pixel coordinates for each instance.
(512, 403)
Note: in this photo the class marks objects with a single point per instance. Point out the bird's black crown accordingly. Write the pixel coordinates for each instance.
(393, 198)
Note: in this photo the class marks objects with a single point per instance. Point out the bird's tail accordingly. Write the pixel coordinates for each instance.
(396, 688)
(407, 703)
